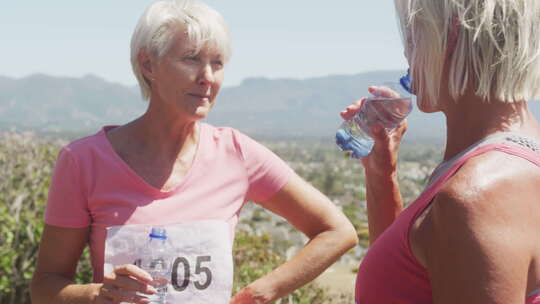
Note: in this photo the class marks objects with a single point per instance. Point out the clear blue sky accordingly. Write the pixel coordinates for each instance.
(275, 39)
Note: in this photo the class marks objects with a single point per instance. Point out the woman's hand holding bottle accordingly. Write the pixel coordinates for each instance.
(383, 157)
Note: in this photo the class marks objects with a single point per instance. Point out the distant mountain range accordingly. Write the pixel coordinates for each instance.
(263, 108)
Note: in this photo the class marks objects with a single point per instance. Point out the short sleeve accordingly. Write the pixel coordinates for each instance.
(67, 205)
(267, 173)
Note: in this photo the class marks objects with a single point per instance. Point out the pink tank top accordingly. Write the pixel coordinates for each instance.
(389, 273)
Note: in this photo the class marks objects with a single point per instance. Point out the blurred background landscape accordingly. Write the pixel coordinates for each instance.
(65, 72)
(260, 107)
(297, 119)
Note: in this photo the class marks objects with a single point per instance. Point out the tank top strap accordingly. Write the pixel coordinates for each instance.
(502, 143)
(423, 201)
(511, 143)
(526, 150)
(456, 164)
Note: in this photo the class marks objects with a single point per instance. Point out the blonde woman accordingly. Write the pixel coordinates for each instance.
(169, 169)
(472, 235)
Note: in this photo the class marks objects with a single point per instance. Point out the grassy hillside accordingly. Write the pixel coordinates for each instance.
(263, 240)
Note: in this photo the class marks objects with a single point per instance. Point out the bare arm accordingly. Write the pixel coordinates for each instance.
(384, 201)
(59, 254)
(329, 231)
(383, 197)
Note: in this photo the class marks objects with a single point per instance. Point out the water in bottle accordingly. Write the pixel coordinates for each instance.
(156, 260)
(354, 136)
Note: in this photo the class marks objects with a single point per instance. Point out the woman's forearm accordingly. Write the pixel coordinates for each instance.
(318, 254)
(384, 202)
(56, 289)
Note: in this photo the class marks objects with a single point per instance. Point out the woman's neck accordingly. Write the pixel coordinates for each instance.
(164, 133)
(471, 119)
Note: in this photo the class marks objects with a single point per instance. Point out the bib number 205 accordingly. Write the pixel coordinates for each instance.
(200, 268)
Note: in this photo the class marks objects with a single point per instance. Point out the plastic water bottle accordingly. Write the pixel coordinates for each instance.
(156, 260)
(354, 135)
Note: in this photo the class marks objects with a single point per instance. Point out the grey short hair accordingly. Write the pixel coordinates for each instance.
(163, 19)
(495, 44)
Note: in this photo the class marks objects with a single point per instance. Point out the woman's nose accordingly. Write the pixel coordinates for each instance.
(206, 76)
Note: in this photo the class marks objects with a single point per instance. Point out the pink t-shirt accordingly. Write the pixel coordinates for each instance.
(93, 186)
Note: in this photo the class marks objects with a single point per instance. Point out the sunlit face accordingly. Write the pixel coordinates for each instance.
(408, 49)
(415, 51)
(410, 46)
(422, 100)
(187, 82)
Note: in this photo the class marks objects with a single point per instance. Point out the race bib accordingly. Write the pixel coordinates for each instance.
(202, 265)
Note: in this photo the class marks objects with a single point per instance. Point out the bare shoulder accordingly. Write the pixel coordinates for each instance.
(494, 187)
(480, 231)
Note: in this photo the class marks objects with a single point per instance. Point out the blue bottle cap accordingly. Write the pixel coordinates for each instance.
(405, 82)
(158, 233)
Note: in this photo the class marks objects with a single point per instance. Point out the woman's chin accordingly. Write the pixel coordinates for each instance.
(201, 113)
(426, 107)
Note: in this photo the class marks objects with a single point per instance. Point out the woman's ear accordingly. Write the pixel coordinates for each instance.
(145, 65)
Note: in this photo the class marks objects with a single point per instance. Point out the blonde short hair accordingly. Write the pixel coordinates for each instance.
(163, 19)
(494, 45)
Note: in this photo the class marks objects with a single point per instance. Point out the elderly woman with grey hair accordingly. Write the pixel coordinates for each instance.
(472, 235)
(170, 170)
